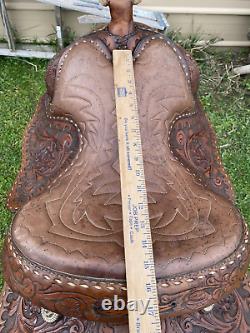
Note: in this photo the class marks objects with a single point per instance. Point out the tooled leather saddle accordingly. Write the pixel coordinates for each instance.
(65, 248)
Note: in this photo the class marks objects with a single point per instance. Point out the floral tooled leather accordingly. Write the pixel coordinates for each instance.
(231, 314)
(51, 144)
(193, 143)
(73, 254)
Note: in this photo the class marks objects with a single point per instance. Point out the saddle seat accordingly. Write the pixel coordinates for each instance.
(65, 248)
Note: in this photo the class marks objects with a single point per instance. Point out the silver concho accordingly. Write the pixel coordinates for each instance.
(49, 316)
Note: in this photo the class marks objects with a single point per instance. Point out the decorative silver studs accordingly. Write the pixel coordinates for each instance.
(58, 281)
(209, 308)
(190, 280)
(98, 287)
(177, 283)
(84, 286)
(111, 288)
(223, 268)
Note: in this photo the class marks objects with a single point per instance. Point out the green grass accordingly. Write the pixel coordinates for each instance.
(20, 88)
(225, 99)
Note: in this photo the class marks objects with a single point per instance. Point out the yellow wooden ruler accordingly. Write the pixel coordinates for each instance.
(140, 269)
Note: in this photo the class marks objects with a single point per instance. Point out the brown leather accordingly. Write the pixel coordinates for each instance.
(231, 314)
(67, 215)
(69, 222)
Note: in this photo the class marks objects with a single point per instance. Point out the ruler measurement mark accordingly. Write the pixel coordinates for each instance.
(137, 232)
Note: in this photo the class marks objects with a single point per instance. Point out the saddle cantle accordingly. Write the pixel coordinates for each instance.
(65, 248)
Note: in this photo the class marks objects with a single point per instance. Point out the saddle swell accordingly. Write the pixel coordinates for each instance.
(65, 250)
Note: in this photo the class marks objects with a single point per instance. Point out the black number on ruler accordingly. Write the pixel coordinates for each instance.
(149, 287)
(122, 92)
